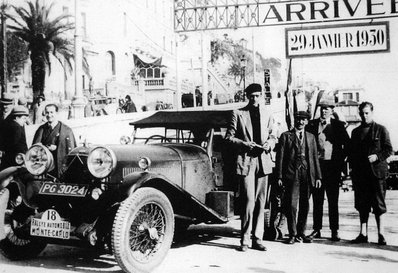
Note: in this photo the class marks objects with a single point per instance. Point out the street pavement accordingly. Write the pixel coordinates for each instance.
(213, 248)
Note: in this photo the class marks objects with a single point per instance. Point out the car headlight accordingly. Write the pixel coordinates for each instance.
(38, 160)
(20, 159)
(144, 163)
(101, 162)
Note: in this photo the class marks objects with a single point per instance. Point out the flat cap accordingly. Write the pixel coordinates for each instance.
(19, 110)
(302, 114)
(254, 87)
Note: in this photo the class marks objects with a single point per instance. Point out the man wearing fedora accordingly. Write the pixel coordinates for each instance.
(251, 132)
(6, 103)
(297, 171)
(13, 136)
(332, 142)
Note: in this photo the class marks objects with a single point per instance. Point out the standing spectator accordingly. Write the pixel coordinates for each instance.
(369, 149)
(6, 103)
(89, 110)
(250, 131)
(129, 106)
(297, 170)
(332, 140)
(38, 109)
(24, 102)
(56, 136)
(13, 136)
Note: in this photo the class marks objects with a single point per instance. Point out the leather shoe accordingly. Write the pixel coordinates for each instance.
(360, 239)
(243, 248)
(258, 246)
(305, 239)
(335, 236)
(382, 241)
(315, 234)
(290, 240)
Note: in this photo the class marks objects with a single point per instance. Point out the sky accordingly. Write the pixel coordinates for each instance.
(377, 73)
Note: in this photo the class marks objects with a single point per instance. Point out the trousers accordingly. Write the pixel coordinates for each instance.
(296, 201)
(331, 177)
(253, 193)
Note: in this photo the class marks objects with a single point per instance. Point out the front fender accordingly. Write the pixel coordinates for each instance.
(185, 205)
(134, 181)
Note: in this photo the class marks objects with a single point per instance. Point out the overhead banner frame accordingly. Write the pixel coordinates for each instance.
(192, 15)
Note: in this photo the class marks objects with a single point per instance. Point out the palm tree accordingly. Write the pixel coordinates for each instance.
(45, 36)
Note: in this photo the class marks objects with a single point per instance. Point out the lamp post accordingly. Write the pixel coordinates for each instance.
(3, 77)
(243, 63)
(78, 101)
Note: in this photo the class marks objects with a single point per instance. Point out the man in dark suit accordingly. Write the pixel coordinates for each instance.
(56, 136)
(251, 132)
(14, 138)
(332, 140)
(297, 170)
(369, 149)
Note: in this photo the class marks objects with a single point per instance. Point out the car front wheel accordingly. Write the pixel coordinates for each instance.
(143, 230)
(15, 243)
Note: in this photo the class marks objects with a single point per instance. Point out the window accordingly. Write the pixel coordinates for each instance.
(157, 72)
(347, 96)
(110, 63)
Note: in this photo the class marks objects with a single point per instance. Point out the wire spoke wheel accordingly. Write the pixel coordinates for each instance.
(147, 232)
(143, 230)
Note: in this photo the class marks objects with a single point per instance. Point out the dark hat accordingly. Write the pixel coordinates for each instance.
(254, 87)
(302, 114)
(7, 99)
(19, 110)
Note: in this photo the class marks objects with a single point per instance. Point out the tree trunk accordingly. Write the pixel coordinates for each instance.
(38, 73)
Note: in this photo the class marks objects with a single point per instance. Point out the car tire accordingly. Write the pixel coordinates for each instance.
(143, 230)
(12, 245)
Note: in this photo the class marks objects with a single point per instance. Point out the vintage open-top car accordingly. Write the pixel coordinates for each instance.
(128, 198)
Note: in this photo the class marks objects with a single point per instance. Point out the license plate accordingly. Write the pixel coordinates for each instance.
(74, 190)
(50, 225)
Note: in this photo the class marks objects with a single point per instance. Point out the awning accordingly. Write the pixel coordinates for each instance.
(143, 61)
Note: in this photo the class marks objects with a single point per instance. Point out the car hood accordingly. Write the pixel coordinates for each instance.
(167, 159)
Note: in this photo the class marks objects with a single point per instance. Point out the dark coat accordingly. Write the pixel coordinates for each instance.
(376, 142)
(62, 138)
(240, 130)
(339, 139)
(286, 155)
(14, 142)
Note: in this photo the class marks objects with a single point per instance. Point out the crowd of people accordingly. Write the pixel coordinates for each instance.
(309, 161)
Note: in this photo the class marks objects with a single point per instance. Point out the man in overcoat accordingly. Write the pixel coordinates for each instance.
(14, 138)
(369, 149)
(332, 140)
(297, 171)
(251, 133)
(56, 136)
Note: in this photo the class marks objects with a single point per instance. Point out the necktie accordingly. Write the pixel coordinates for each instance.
(323, 122)
(301, 136)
